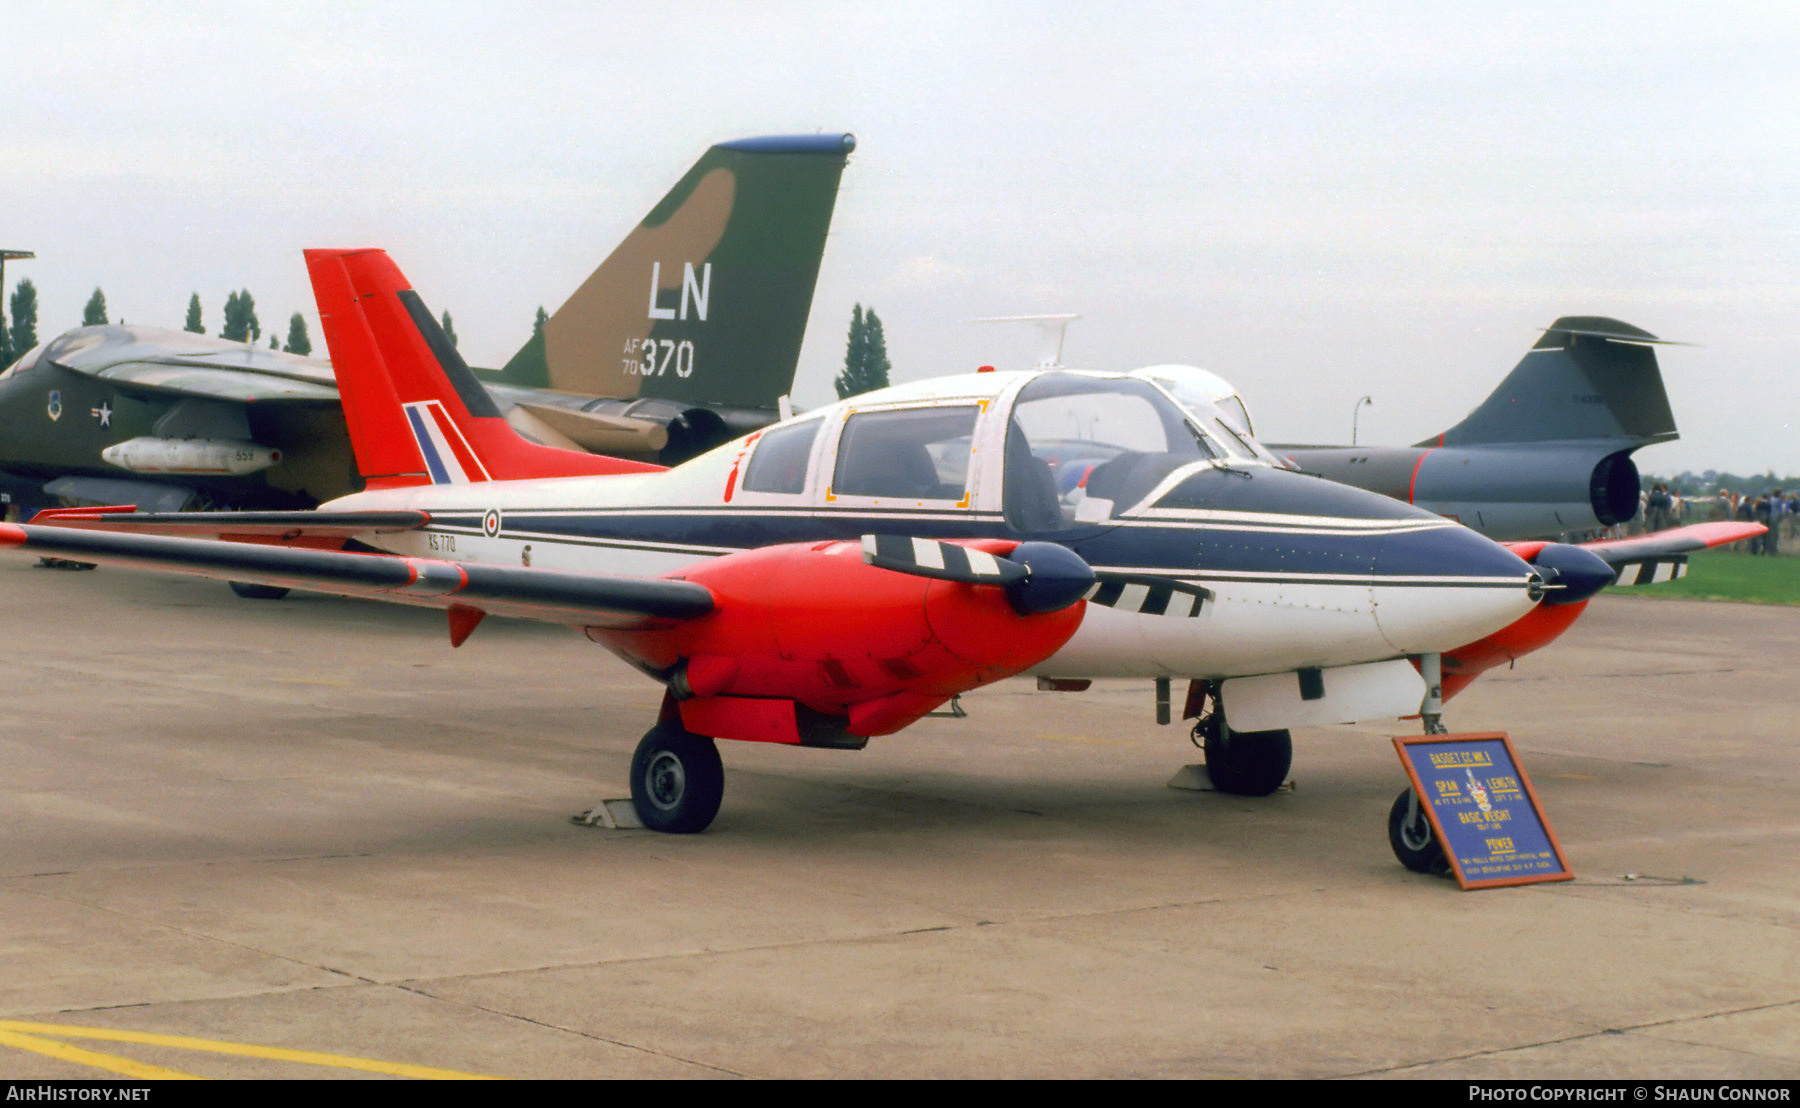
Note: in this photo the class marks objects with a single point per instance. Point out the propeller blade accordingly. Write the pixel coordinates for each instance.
(945, 561)
(1038, 577)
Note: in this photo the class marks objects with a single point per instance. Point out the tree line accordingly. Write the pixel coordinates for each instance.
(866, 365)
(18, 326)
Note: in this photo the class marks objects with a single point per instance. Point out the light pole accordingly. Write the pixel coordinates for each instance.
(1356, 411)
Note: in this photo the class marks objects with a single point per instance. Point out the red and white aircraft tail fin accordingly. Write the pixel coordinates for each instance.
(417, 414)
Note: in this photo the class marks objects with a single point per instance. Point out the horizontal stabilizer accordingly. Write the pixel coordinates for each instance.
(601, 433)
(1600, 327)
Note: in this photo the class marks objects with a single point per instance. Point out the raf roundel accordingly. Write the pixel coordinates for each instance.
(490, 522)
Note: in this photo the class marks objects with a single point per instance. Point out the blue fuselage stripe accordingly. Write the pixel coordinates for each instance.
(1442, 555)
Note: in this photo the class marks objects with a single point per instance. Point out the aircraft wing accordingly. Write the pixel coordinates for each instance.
(155, 360)
(1662, 555)
(301, 528)
(574, 599)
(215, 383)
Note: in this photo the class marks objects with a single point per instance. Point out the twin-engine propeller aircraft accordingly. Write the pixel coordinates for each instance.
(685, 337)
(837, 576)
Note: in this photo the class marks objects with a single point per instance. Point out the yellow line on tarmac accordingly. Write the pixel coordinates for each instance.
(111, 1063)
(11, 1030)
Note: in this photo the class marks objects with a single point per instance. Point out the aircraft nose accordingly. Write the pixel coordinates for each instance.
(1440, 587)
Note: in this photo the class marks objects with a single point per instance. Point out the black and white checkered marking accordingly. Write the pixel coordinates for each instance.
(1652, 572)
(1150, 597)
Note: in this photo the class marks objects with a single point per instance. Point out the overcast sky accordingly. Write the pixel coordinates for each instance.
(1318, 201)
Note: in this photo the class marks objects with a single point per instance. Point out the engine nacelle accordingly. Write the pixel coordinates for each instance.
(1516, 491)
(810, 624)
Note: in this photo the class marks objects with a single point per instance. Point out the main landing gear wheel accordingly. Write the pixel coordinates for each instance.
(1412, 839)
(1247, 763)
(257, 592)
(677, 780)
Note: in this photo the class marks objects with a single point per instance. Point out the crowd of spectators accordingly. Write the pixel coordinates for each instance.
(1661, 508)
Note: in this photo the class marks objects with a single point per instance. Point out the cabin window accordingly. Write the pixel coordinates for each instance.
(906, 454)
(780, 461)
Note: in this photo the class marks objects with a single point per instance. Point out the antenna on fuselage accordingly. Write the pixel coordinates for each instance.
(1050, 327)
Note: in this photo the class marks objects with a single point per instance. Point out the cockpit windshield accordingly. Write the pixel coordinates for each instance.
(1227, 426)
(1215, 406)
(25, 362)
(1079, 449)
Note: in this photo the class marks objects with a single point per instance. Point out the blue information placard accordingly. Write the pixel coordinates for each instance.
(1482, 808)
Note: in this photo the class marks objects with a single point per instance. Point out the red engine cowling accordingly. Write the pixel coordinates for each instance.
(808, 640)
(1533, 631)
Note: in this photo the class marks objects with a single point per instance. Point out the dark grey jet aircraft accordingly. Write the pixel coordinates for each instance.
(687, 336)
(1548, 453)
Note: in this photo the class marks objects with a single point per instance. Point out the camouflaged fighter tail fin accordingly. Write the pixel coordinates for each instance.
(706, 301)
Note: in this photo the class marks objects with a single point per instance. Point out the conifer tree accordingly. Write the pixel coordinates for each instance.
(233, 317)
(193, 317)
(24, 318)
(297, 342)
(878, 364)
(865, 357)
(95, 312)
(240, 318)
(449, 330)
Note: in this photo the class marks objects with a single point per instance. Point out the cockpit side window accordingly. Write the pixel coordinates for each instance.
(780, 461)
(1079, 449)
(906, 453)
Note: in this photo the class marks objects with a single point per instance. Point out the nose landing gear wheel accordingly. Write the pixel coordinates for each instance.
(677, 780)
(1412, 838)
(1247, 763)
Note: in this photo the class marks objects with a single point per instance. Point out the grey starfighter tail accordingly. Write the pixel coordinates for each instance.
(1547, 453)
(1588, 377)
